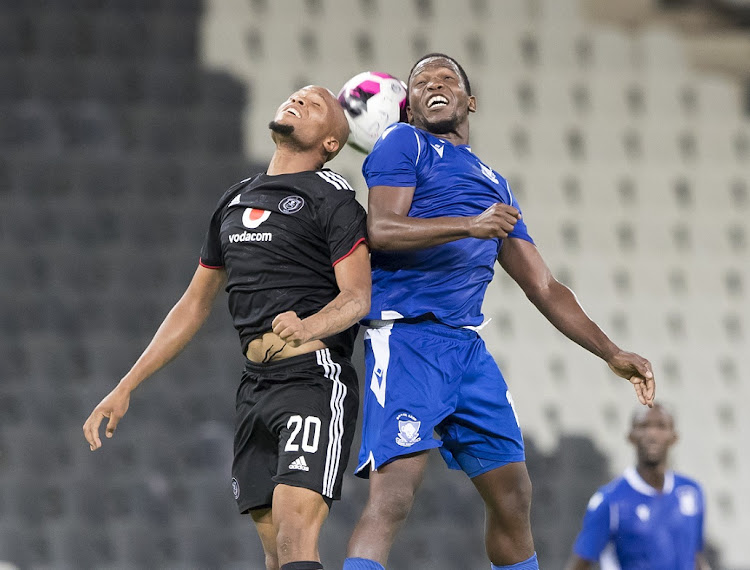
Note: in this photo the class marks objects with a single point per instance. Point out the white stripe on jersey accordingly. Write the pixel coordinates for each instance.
(419, 148)
(335, 179)
(341, 179)
(336, 426)
(608, 558)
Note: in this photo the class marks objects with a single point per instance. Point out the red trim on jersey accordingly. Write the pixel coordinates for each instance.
(359, 241)
(200, 262)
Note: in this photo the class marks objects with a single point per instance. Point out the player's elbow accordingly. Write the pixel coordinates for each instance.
(363, 303)
(381, 235)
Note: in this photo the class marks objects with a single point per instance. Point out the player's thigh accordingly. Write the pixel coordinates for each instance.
(315, 424)
(483, 432)
(411, 384)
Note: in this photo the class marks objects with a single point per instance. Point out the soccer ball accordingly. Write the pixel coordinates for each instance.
(372, 101)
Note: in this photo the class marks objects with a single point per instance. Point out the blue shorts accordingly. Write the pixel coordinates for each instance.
(430, 385)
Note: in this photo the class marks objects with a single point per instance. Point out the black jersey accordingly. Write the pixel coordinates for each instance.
(279, 238)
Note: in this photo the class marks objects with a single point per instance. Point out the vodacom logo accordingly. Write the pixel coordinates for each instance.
(253, 217)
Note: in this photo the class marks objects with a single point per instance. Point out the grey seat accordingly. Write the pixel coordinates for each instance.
(173, 39)
(121, 36)
(91, 126)
(14, 86)
(220, 90)
(29, 126)
(61, 33)
(169, 83)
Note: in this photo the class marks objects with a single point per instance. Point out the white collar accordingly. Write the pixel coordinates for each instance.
(636, 482)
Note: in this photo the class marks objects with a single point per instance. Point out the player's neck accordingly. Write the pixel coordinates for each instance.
(290, 161)
(654, 475)
(458, 136)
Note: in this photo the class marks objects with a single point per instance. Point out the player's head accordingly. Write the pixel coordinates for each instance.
(652, 432)
(311, 119)
(439, 94)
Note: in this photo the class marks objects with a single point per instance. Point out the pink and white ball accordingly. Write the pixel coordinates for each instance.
(372, 101)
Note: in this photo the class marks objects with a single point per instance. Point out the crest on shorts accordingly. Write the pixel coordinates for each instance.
(408, 430)
(291, 204)
(235, 488)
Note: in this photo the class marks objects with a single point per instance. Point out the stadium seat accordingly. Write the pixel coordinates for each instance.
(61, 34)
(218, 89)
(92, 127)
(168, 83)
(14, 87)
(172, 39)
(122, 36)
(30, 126)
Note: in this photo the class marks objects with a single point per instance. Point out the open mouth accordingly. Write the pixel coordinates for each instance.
(436, 101)
(295, 112)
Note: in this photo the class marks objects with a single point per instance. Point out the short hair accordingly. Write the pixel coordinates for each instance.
(461, 72)
(641, 411)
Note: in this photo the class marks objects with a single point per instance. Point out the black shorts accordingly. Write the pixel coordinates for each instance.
(295, 424)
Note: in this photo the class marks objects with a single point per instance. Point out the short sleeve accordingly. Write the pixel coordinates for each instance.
(699, 539)
(346, 228)
(211, 256)
(519, 230)
(595, 533)
(393, 160)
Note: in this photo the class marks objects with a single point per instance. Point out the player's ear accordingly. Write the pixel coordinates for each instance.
(331, 145)
(472, 104)
(675, 438)
(408, 114)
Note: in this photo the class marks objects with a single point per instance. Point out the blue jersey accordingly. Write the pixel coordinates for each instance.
(447, 280)
(631, 526)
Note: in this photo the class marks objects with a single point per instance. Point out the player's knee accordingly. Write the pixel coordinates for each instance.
(294, 535)
(513, 504)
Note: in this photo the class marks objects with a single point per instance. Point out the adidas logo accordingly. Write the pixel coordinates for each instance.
(300, 464)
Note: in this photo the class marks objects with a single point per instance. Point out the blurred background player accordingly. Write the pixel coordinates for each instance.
(289, 245)
(438, 220)
(650, 518)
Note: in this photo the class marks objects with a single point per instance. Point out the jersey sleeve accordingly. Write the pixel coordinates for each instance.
(595, 533)
(345, 228)
(211, 255)
(519, 230)
(699, 539)
(393, 160)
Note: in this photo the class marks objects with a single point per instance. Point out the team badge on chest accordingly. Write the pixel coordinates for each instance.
(291, 204)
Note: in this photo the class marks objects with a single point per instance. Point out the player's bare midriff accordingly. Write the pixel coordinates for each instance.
(269, 347)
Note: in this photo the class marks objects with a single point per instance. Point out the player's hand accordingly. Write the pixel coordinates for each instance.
(113, 406)
(638, 371)
(290, 329)
(497, 221)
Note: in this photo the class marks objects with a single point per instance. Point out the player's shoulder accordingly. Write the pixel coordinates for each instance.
(604, 494)
(681, 480)
(327, 179)
(399, 135)
(234, 190)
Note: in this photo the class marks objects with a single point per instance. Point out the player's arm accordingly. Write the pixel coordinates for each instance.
(578, 563)
(523, 262)
(178, 327)
(389, 226)
(354, 281)
(701, 562)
